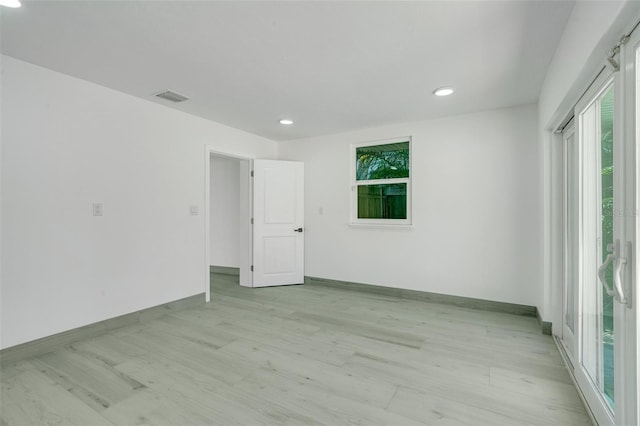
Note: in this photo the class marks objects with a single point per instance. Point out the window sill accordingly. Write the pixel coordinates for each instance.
(381, 226)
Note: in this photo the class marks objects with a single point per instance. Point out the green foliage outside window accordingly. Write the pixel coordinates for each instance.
(607, 211)
(388, 161)
(382, 199)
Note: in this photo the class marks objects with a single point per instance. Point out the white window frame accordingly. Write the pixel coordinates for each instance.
(396, 223)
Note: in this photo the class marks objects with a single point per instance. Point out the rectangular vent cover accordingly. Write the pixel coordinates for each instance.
(171, 96)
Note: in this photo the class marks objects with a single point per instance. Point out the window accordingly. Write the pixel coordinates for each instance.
(381, 182)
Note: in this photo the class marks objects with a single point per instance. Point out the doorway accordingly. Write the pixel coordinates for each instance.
(254, 218)
(227, 215)
(224, 217)
(599, 322)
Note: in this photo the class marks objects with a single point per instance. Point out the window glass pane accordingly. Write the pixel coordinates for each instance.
(571, 193)
(382, 161)
(382, 201)
(606, 156)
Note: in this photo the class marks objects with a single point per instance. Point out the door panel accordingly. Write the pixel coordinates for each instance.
(627, 355)
(570, 225)
(279, 195)
(280, 254)
(278, 249)
(599, 260)
(595, 371)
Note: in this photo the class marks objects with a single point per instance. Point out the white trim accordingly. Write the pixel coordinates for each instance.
(628, 126)
(568, 363)
(399, 139)
(554, 257)
(246, 230)
(635, 140)
(207, 223)
(599, 86)
(569, 269)
(632, 132)
(381, 181)
(380, 226)
(588, 218)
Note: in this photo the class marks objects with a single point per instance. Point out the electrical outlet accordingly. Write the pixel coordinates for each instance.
(193, 210)
(97, 209)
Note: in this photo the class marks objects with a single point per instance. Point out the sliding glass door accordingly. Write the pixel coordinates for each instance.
(599, 329)
(571, 230)
(597, 249)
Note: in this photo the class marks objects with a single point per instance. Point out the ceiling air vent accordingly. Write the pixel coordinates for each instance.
(171, 96)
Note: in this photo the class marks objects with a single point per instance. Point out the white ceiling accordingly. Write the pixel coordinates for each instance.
(330, 66)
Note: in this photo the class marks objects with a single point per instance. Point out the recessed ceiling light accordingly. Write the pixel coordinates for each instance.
(10, 3)
(287, 122)
(443, 91)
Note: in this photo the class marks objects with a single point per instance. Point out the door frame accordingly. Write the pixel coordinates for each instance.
(628, 99)
(595, 401)
(245, 216)
(568, 337)
(551, 141)
(627, 320)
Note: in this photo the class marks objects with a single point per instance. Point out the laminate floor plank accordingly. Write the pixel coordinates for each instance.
(152, 408)
(372, 331)
(300, 355)
(168, 351)
(249, 306)
(328, 408)
(414, 374)
(206, 401)
(360, 388)
(318, 346)
(192, 331)
(437, 410)
(528, 386)
(32, 398)
(109, 348)
(471, 385)
(89, 378)
(273, 326)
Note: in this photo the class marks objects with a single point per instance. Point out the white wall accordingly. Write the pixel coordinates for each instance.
(225, 212)
(574, 59)
(592, 30)
(475, 186)
(67, 143)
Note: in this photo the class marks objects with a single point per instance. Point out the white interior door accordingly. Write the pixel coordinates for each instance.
(278, 223)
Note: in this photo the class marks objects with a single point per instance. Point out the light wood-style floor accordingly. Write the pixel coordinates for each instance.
(301, 355)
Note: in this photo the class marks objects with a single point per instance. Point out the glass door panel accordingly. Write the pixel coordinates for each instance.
(607, 218)
(597, 334)
(570, 226)
(602, 225)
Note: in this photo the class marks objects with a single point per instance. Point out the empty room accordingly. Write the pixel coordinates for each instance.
(319, 212)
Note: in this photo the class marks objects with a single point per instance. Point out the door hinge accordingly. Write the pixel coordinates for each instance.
(251, 268)
(252, 221)
(251, 173)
